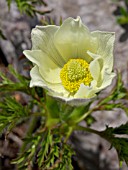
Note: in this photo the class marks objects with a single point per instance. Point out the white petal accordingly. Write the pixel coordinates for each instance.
(36, 78)
(93, 55)
(107, 79)
(95, 69)
(105, 47)
(47, 68)
(71, 101)
(42, 39)
(58, 89)
(83, 91)
(42, 36)
(73, 39)
(86, 91)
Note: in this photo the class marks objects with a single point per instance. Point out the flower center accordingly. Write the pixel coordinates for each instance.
(75, 72)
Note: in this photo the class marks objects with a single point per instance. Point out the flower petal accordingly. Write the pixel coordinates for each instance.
(83, 91)
(73, 39)
(71, 101)
(58, 89)
(107, 79)
(86, 91)
(95, 69)
(47, 68)
(42, 39)
(36, 79)
(105, 47)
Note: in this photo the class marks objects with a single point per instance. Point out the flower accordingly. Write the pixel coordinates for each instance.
(71, 62)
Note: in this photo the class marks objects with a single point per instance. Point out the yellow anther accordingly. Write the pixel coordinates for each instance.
(75, 72)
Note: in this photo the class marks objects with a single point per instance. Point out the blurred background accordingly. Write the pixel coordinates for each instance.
(92, 152)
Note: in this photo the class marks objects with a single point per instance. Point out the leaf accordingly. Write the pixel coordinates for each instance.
(121, 146)
(126, 1)
(44, 149)
(122, 20)
(117, 137)
(28, 151)
(11, 113)
(15, 82)
(122, 129)
(66, 162)
(111, 106)
(123, 11)
(28, 7)
(119, 142)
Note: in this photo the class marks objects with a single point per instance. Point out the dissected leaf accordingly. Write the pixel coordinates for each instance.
(11, 113)
(29, 6)
(120, 143)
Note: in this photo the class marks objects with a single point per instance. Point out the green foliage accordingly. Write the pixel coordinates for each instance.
(51, 122)
(58, 113)
(66, 162)
(122, 129)
(45, 150)
(121, 146)
(122, 17)
(28, 6)
(77, 114)
(116, 138)
(46, 144)
(120, 143)
(14, 82)
(49, 21)
(12, 113)
(36, 145)
(42, 147)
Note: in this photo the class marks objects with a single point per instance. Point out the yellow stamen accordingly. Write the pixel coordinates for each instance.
(75, 72)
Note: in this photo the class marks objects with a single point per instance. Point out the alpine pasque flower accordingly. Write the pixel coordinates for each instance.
(71, 62)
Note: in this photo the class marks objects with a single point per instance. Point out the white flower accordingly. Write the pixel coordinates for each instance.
(71, 62)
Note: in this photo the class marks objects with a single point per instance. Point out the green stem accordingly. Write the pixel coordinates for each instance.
(68, 134)
(89, 112)
(85, 115)
(102, 134)
(77, 127)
